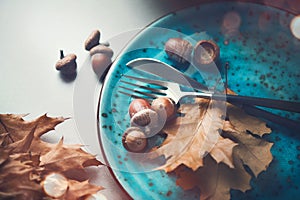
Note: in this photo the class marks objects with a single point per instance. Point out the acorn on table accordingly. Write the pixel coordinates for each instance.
(100, 54)
(67, 64)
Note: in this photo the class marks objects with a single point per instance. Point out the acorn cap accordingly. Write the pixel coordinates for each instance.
(67, 65)
(206, 52)
(134, 140)
(102, 49)
(92, 40)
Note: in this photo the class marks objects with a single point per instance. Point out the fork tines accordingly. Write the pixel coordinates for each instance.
(141, 88)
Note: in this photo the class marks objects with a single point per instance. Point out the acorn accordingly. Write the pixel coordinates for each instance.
(67, 64)
(145, 117)
(102, 49)
(100, 63)
(92, 40)
(134, 140)
(164, 106)
(137, 105)
(206, 52)
(179, 50)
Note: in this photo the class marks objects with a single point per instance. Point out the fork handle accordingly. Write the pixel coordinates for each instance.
(257, 101)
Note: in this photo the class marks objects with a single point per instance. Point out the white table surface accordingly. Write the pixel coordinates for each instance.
(33, 32)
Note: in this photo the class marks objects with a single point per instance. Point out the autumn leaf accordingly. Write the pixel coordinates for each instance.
(26, 160)
(213, 158)
(214, 180)
(65, 157)
(252, 151)
(244, 122)
(80, 190)
(193, 134)
(15, 180)
(18, 128)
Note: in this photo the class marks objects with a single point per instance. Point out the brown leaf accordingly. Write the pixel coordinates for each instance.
(252, 151)
(65, 157)
(214, 180)
(80, 190)
(192, 135)
(15, 182)
(222, 168)
(25, 159)
(24, 144)
(244, 122)
(222, 151)
(18, 128)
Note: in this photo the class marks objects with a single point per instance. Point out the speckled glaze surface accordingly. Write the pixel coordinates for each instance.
(264, 62)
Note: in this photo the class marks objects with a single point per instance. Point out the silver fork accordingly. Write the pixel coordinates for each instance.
(161, 88)
(173, 91)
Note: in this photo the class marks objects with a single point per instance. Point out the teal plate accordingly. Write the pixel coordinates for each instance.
(264, 61)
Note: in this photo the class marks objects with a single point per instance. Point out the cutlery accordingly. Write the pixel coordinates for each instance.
(163, 70)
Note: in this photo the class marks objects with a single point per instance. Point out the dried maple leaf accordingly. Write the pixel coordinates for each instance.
(242, 122)
(193, 134)
(228, 150)
(214, 180)
(252, 151)
(25, 159)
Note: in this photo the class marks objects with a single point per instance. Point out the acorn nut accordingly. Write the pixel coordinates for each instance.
(92, 40)
(67, 64)
(164, 107)
(206, 52)
(101, 49)
(179, 50)
(146, 117)
(137, 105)
(134, 140)
(100, 63)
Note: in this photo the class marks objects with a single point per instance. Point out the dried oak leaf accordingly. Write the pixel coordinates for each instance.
(80, 190)
(195, 133)
(25, 159)
(18, 128)
(66, 157)
(16, 182)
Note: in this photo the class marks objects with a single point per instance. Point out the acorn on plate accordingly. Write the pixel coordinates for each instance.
(134, 140)
(179, 50)
(165, 108)
(206, 52)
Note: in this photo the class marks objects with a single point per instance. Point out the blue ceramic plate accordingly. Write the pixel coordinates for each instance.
(264, 61)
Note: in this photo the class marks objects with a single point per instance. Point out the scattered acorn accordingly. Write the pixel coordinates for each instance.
(67, 64)
(164, 106)
(179, 50)
(206, 52)
(134, 140)
(92, 40)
